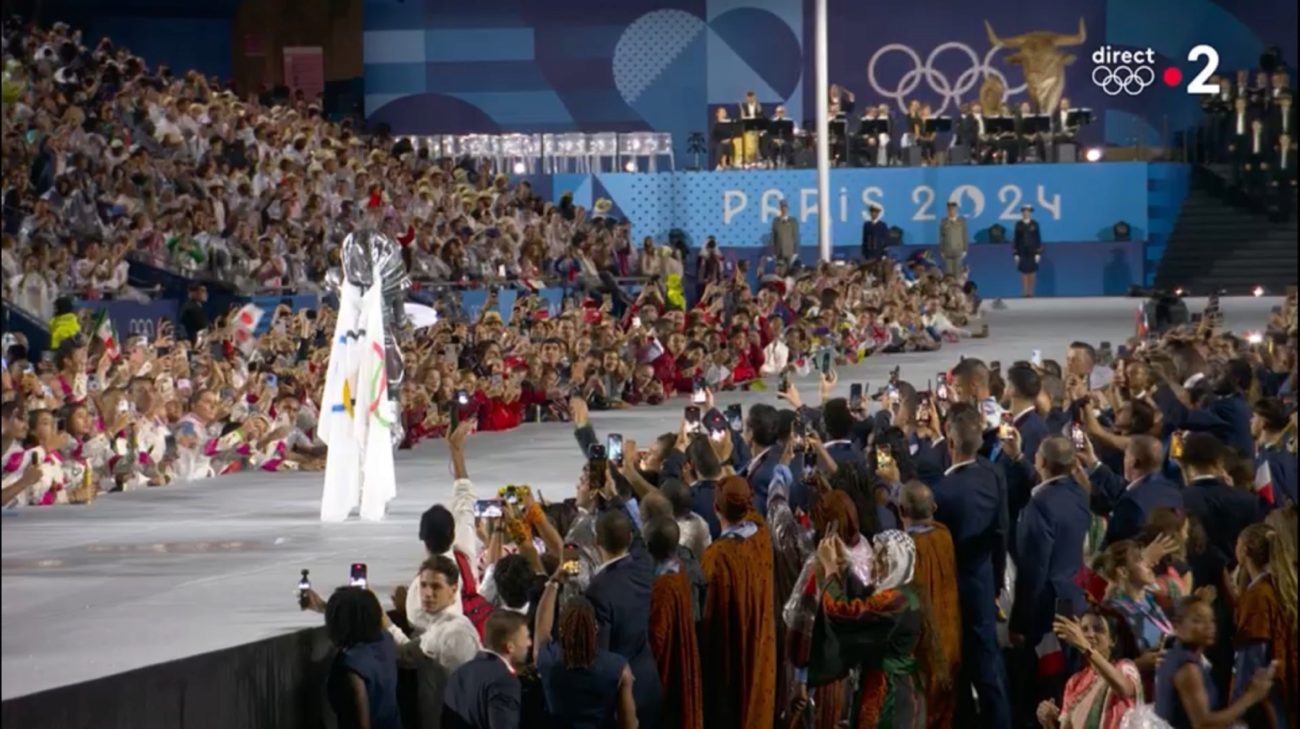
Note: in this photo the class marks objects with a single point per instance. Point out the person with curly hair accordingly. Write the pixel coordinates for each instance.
(1266, 624)
(586, 686)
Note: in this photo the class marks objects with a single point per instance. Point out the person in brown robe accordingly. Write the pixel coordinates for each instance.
(738, 639)
(935, 581)
(672, 628)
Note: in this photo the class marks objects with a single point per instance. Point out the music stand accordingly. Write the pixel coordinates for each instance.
(782, 134)
(999, 125)
(1037, 124)
(873, 127)
(1078, 118)
(938, 125)
(756, 124)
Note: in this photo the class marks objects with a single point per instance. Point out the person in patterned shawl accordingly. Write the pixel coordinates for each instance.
(881, 627)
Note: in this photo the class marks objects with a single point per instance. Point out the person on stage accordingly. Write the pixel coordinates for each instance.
(785, 235)
(875, 235)
(750, 110)
(724, 144)
(1028, 250)
(780, 150)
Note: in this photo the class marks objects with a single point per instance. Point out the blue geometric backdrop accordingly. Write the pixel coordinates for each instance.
(437, 66)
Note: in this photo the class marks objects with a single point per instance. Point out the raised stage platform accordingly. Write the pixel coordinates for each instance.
(191, 588)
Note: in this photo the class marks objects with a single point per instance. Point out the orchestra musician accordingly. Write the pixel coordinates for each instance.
(887, 135)
(973, 133)
(1025, 136)
(925, 140)
(750, 109)
(870, 141)
(1063, 130)
(840, 105)
(726, 147)
(779, 150)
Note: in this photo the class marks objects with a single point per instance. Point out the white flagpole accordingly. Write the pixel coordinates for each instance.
(823, 137)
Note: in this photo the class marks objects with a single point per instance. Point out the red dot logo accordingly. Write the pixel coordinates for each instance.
(1173, 76)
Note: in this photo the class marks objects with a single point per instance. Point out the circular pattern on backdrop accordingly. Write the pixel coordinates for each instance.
(648, 46)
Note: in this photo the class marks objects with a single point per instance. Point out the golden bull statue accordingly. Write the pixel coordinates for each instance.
(1039, 55)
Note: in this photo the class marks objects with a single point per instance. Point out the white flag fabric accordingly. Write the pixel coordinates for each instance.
(375, 409)
(335, 428)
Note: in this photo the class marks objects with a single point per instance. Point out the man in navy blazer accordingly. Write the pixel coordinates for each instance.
(1223, 510)
(763, 426)
(971, 502)
(1147, 489)
(620, 593)
(1227, 416)
(839, 423)
(1050, 536)
(484, 693)
(1023, 385)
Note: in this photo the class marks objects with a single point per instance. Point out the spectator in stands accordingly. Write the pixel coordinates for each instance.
(194, 320)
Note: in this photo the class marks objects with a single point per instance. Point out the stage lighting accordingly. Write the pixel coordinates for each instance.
(630, 166)
(1258, 291)
(1093, 154)
(520, 168)
(1254, 338)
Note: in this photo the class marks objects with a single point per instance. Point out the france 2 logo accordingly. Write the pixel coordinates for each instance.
(1131, 72)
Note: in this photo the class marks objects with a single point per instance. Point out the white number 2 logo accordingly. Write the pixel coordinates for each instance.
(1211, 56)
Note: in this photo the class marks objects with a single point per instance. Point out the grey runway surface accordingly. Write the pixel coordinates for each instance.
(146, 577)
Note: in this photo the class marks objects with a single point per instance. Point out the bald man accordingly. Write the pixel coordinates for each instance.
(1147, 489)
(1049, 538)
(936, 578)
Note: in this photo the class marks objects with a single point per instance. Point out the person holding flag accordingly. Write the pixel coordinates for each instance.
(1275, 465)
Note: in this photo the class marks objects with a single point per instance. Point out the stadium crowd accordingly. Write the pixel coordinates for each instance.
(1041, 544)
(108, 160)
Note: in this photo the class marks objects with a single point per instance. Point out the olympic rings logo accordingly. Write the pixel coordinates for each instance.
(1131, 80)
(950, 92)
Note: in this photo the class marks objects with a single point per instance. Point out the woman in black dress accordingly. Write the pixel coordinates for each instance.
(1028, 250)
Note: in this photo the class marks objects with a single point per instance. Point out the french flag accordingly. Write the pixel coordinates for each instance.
(1264, 481)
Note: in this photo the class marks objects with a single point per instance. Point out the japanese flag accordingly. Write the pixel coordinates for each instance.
(245, 326)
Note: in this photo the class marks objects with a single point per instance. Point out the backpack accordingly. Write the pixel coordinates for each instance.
(475, 606)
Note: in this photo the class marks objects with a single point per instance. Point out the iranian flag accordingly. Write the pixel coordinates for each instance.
(105, 332)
